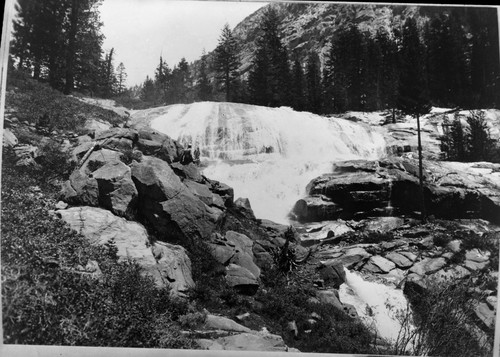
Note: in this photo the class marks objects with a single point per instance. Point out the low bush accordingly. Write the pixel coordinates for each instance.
(444, 319)
(283, 301)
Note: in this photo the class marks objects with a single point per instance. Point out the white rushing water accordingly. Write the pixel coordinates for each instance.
(379, 306)
(268, 155)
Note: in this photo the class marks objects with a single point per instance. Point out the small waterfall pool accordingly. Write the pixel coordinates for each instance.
(267, 155)
(379, 306)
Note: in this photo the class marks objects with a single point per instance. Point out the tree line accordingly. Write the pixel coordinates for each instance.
(362, 71)
(60, 42)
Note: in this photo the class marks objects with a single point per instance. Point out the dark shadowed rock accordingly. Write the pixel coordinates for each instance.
(243, 206)
(152, 143)
(241, 279)
(333, 274)
(167, 204)
(187, 172)
(315, 209)
(116, 188)
(330, 297)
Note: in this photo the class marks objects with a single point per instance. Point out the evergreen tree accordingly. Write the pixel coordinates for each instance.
(180, 90)
(121, 77)
(148, 91)
(162, 81)
(484, 61)
(446, 61)
(479, 143)
(313, 84)
(298, 86)
(388, 71)
(60, 41)
(269, 77)
(413, 99)
(227, 62)
(453, 142)
(204, 89)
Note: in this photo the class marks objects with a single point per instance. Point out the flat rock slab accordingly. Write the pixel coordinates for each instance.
(223, 323)
(428, 266)
(485, 314)
(255, 341)
(400, 260)
(379, 265)
(350, 257)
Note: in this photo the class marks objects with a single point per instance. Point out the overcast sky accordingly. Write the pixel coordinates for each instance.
(141, 30)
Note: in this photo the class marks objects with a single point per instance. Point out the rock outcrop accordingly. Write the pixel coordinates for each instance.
(359, 189)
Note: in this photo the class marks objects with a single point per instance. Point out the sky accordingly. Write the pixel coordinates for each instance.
(142, 30)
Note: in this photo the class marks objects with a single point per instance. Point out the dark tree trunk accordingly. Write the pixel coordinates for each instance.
(70, 55)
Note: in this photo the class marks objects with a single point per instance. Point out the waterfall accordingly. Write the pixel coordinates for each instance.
(268, 155)
(379, 306)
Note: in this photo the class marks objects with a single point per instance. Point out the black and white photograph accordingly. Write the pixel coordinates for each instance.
(254, 178)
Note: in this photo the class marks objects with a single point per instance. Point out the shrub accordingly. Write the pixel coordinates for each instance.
(284, 301)
(444, 317)
(128, 156)
(441, 239)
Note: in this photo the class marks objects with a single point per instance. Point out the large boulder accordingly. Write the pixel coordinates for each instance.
(234, 248)
(152, 143)
(81, 189)
(174, 267)
(168, 205)
(167, 264)
(241, 279)
(117, 191)
(332, 275)
(315, 208)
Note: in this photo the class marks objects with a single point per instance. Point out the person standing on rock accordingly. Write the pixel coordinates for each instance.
(187, 157)
(196, 156)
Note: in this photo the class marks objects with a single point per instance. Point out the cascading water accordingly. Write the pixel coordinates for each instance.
(268, 155)
(379, 306)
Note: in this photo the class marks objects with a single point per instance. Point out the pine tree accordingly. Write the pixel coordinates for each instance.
(453, 142)
(389, 67)
(298, 86)
(313, 84)
(479, 143)
(163, 77)
(269, 78)
(204, 89)
(60, 41)
(121, 77)
(227, 62)
(413, 98)
(148, 91)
